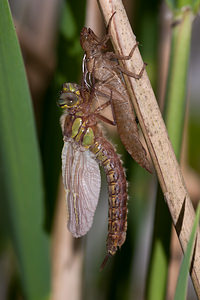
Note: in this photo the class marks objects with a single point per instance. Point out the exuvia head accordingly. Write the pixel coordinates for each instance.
(88, 39)
(69, 96)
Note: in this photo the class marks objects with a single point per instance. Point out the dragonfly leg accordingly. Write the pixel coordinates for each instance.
(106, 120)
(131, 74)
(103, 106)
(107, 35)
(112, 55)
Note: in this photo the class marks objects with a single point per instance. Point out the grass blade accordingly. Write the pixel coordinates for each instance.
(20, 173)
(181, 288)
(177, 87)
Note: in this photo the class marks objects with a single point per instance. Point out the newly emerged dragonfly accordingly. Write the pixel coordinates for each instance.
(84, 148)
(103, 66)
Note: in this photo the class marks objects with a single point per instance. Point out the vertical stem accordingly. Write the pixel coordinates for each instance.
(174, 115)
(177, 81)
(160, 250)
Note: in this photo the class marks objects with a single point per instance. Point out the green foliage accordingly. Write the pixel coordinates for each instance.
(20, 173)
(177, 79)
(181, 288)
(193, 142)
(179, 6)
(160, 251)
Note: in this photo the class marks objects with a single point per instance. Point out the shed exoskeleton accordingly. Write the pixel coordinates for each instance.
(101, 68)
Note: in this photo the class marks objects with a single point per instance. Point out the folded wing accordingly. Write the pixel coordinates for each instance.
(82, 181)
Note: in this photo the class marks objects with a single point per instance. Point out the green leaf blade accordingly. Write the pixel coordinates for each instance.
(181, 288)
(20, 172)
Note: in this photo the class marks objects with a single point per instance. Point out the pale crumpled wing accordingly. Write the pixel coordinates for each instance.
(82, 181)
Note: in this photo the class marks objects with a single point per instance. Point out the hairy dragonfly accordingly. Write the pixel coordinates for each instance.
(84, 148)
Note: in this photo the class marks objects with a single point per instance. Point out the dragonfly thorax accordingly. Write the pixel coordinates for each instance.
(80, 129)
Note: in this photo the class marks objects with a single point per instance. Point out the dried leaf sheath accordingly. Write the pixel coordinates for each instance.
(81, 178)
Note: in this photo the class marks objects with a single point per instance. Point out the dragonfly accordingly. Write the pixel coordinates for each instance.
(103, 67)
(85, 148)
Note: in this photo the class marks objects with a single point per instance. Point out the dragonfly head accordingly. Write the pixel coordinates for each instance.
(69, 96)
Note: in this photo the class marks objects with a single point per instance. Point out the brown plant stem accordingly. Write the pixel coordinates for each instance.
(67, 256)
(155, 133)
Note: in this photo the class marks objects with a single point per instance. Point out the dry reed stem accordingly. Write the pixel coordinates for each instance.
(155, 133)
(67, 256)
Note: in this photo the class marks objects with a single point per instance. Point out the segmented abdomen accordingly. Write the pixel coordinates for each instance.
(117, 216)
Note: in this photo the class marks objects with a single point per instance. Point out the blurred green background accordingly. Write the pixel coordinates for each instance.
(48, 34)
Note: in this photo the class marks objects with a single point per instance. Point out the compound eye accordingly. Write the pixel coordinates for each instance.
(67, 100)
